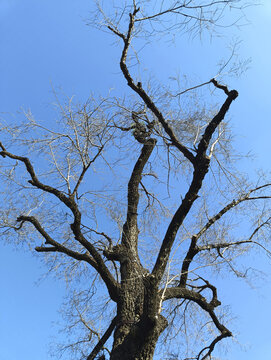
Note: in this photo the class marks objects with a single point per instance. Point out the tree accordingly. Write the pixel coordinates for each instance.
(171, 158)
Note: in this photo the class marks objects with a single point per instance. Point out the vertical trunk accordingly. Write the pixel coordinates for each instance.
(137, 341)
(140, 324)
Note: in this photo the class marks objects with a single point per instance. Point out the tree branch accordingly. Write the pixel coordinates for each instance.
(210, 129)
(176, 9)
(194, 249)
(130, 230)
(56, 246)
(200, 162)
(34, 180)
(103, 339)
(219, 246)
(192, 88)
(118, 33)
(85, 168)
(182, 293)
(144, 96)
(94, 260)
(211, 347)
(106, 275)
(179, 216)
(215, 302)
(201, 166)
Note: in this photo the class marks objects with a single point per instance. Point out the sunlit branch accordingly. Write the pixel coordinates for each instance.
(85, 168)
(212, 147)
(192, 88)
(175, 9)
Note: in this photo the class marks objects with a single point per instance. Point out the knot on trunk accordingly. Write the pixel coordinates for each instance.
(142, 127)
(117, 252)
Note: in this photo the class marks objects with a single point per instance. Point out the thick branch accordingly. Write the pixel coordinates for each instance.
(191, 253)
(103, 340)
(62, 249)
(34, 180)
(182, 293)
(201, 167)
(56, 246)
(178, 218)
(75, 226)
(110, 282)
(130, 225)
(213, 124)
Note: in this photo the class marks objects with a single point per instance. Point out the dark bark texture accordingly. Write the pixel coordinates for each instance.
(138, 293)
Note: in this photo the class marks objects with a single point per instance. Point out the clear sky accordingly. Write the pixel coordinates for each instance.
(47, 42)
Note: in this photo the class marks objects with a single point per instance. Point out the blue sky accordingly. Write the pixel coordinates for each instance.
(45, 43)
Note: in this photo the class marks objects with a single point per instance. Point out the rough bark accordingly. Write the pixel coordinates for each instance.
(140, 323)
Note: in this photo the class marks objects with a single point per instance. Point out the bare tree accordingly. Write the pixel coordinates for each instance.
(138, 198)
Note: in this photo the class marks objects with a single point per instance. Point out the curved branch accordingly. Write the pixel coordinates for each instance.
(182, 293)
(34, 180)
(56, 246)
(94, 260)
(106, 275)
(212, 346)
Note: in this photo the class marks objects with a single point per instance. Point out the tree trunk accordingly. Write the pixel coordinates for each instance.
(137, 341)
(139, 322)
